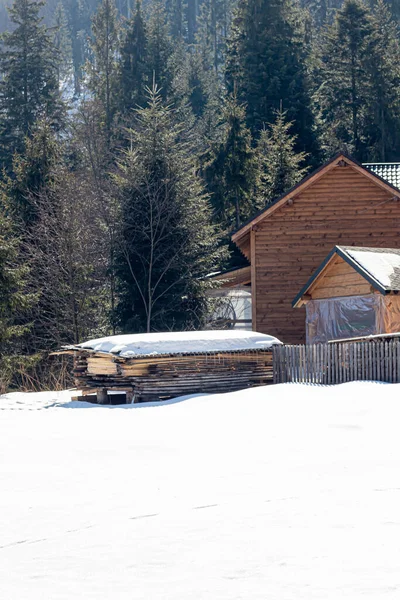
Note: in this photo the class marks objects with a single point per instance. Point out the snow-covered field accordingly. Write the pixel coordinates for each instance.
(278, 493)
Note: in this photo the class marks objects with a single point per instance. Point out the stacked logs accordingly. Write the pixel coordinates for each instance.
(166, 376)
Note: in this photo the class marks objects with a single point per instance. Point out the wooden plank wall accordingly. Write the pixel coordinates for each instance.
(337, 363)
(340, 279)
(342, 208)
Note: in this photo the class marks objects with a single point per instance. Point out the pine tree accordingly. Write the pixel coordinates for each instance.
(231, 171)
(133, 71)
(345, 85)
(103, 68)
(167, 241)
(266, 61)
(279, 166)
(29, 89)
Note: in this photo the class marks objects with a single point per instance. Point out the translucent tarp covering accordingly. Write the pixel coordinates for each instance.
(346, 317)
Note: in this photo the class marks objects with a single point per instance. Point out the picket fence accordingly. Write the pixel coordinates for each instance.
(337, 362)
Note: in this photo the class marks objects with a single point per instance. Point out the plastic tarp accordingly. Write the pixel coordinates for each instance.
(346, 317)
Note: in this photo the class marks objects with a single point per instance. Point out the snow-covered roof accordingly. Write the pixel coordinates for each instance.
(185, 342)
(383, 264)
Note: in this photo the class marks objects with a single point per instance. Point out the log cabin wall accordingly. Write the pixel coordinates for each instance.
(343, 207)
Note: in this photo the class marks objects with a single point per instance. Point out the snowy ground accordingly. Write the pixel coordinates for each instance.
(285, 492)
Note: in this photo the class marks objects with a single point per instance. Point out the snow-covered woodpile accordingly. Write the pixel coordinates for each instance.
(154, 366)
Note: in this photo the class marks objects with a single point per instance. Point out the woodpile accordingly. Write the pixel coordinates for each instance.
(149, 378)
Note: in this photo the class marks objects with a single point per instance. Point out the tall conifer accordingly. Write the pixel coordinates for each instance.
(133, 71)
(103, 69)
(266, 62)
(29, 86)
(167, 241)
(279, 166)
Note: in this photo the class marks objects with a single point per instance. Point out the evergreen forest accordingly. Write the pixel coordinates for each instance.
(136, 136)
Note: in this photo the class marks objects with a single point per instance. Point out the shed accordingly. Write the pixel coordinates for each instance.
(353, 293)
(159, 366)
(232, 299)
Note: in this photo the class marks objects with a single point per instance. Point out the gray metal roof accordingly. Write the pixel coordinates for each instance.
(390, 172)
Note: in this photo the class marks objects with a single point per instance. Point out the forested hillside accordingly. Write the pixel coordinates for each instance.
(135, 137)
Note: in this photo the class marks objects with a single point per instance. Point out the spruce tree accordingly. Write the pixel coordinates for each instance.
(74, 12)
(167, 241)
(15, 302)
(133, 71)
(383, 102)
(62, 42)
(279, 166)
(31, 174)
(345, 85)
(29, 87)
(159, 48)
(102, 69)
(230, 170)
(266, 63)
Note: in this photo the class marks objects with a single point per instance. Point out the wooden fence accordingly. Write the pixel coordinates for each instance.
(337, 362)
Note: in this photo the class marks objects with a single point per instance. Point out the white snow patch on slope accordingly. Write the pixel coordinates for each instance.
(287, 492)
(172, 342)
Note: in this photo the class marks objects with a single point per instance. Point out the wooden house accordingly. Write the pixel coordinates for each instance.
(353, 293)
(341, 203)
(159, 366)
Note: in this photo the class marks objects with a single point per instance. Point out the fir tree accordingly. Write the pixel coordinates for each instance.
(345, 85)
(74, 12)
(231, 171)
(62, 42)
(191, 20)
(266, 62)
(279, 166)
(383, 102)
(103, 70)
(29, 88)
(14, 302)
(133, 71)
(32, 173)
(159, 48)
(167, 240)
(175, 12)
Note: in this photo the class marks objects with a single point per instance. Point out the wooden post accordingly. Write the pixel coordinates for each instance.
(253, 279)
(102, 397)
(129, 397)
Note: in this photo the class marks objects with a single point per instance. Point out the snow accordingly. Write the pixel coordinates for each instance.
(286, 492)
(384, 266)
(173, 342)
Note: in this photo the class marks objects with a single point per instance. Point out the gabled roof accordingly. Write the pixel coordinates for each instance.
(338, 160)
(390, 172)
(379, 266)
